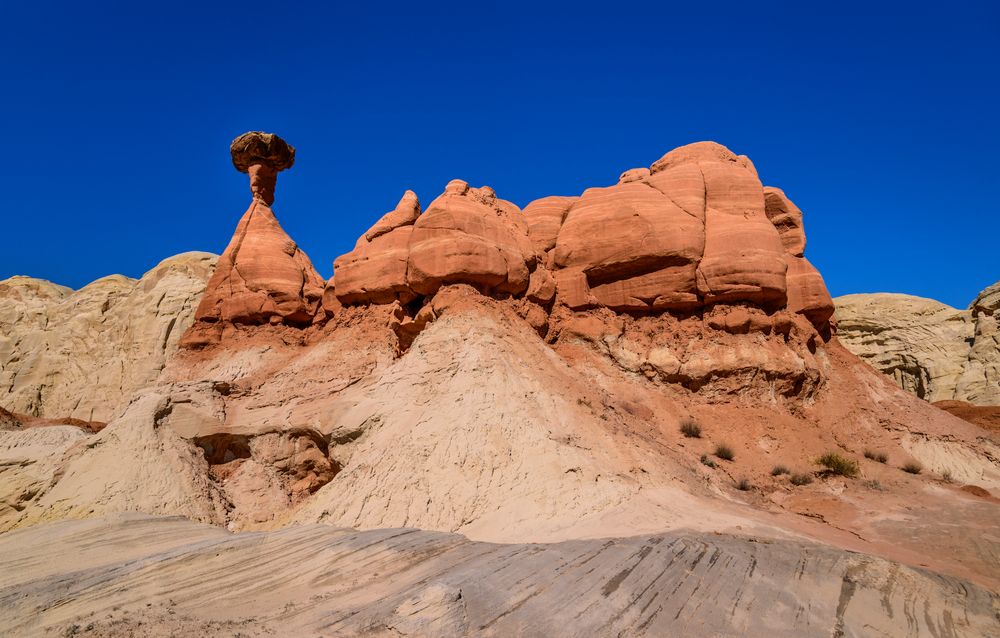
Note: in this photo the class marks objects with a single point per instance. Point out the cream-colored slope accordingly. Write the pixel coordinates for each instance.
(83, 353)
(136, 464)
(481, 428)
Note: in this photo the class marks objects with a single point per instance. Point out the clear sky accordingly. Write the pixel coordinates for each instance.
(881, 122)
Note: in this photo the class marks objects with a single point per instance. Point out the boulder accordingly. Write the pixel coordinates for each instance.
(468, 235)
(807, 293)
(375, 271)
(743, 258)
(545, 216)
(787, 218)
(637, 248)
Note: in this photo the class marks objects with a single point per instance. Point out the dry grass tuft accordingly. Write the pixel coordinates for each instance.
(725, 452)
(691, 429)
(837, 464)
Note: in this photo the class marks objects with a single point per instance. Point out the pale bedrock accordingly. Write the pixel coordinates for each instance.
(83, 353)
(922, 344)
(937, 352)
(468, 235)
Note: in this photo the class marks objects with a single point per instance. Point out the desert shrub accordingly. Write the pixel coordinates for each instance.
(691, 429)
(778, 470)
(946, 476)
(724, 452)
(838, 464)
(881, 457)
(912, 468)
(874, 484)
(744, 485)
(801, 479)
(707, 461)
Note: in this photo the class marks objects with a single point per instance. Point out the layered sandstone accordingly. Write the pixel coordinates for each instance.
(466, 235)
(695, 230)
(83, 353)
(420, 583)
(937, 352)
(520, 378)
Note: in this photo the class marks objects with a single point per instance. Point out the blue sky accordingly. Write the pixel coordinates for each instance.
(881, 124)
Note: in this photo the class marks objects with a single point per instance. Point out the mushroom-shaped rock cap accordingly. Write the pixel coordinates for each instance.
(257, 147)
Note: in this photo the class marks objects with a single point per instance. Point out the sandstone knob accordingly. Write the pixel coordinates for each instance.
(257, 147)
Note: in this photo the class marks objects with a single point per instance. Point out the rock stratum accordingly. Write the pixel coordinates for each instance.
(477, 427)
(937, 352)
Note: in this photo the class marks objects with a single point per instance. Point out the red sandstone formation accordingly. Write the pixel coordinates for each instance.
(695, 233)
(807, 294)
(696, 229)
(262, 277)
(375, 271)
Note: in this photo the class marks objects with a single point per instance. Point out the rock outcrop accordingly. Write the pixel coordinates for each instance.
(628, 376)
(937, 352)
(84, 353)
(262, 277)
(695, 230)
(467, 235)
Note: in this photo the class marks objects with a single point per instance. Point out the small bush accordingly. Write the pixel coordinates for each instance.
(881, 457)
(744, 485)
(874, 484)
(778, 470)
(912, 468)
(801, 479)
(707, 461)
(724, 452)
(946, 476)
(691, 429)
(838, 464)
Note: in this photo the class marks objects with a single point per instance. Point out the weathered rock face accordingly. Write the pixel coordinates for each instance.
(470, 236)
(937, 352)
(467, 235)
(636, 247)
(807, 294)
(375, 271)
(695, 229)
(428, 400)
(83, 353)
(691, 231)
(262, 277)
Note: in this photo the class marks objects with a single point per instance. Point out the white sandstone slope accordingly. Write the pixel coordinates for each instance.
(937, 352)
(81, 354)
